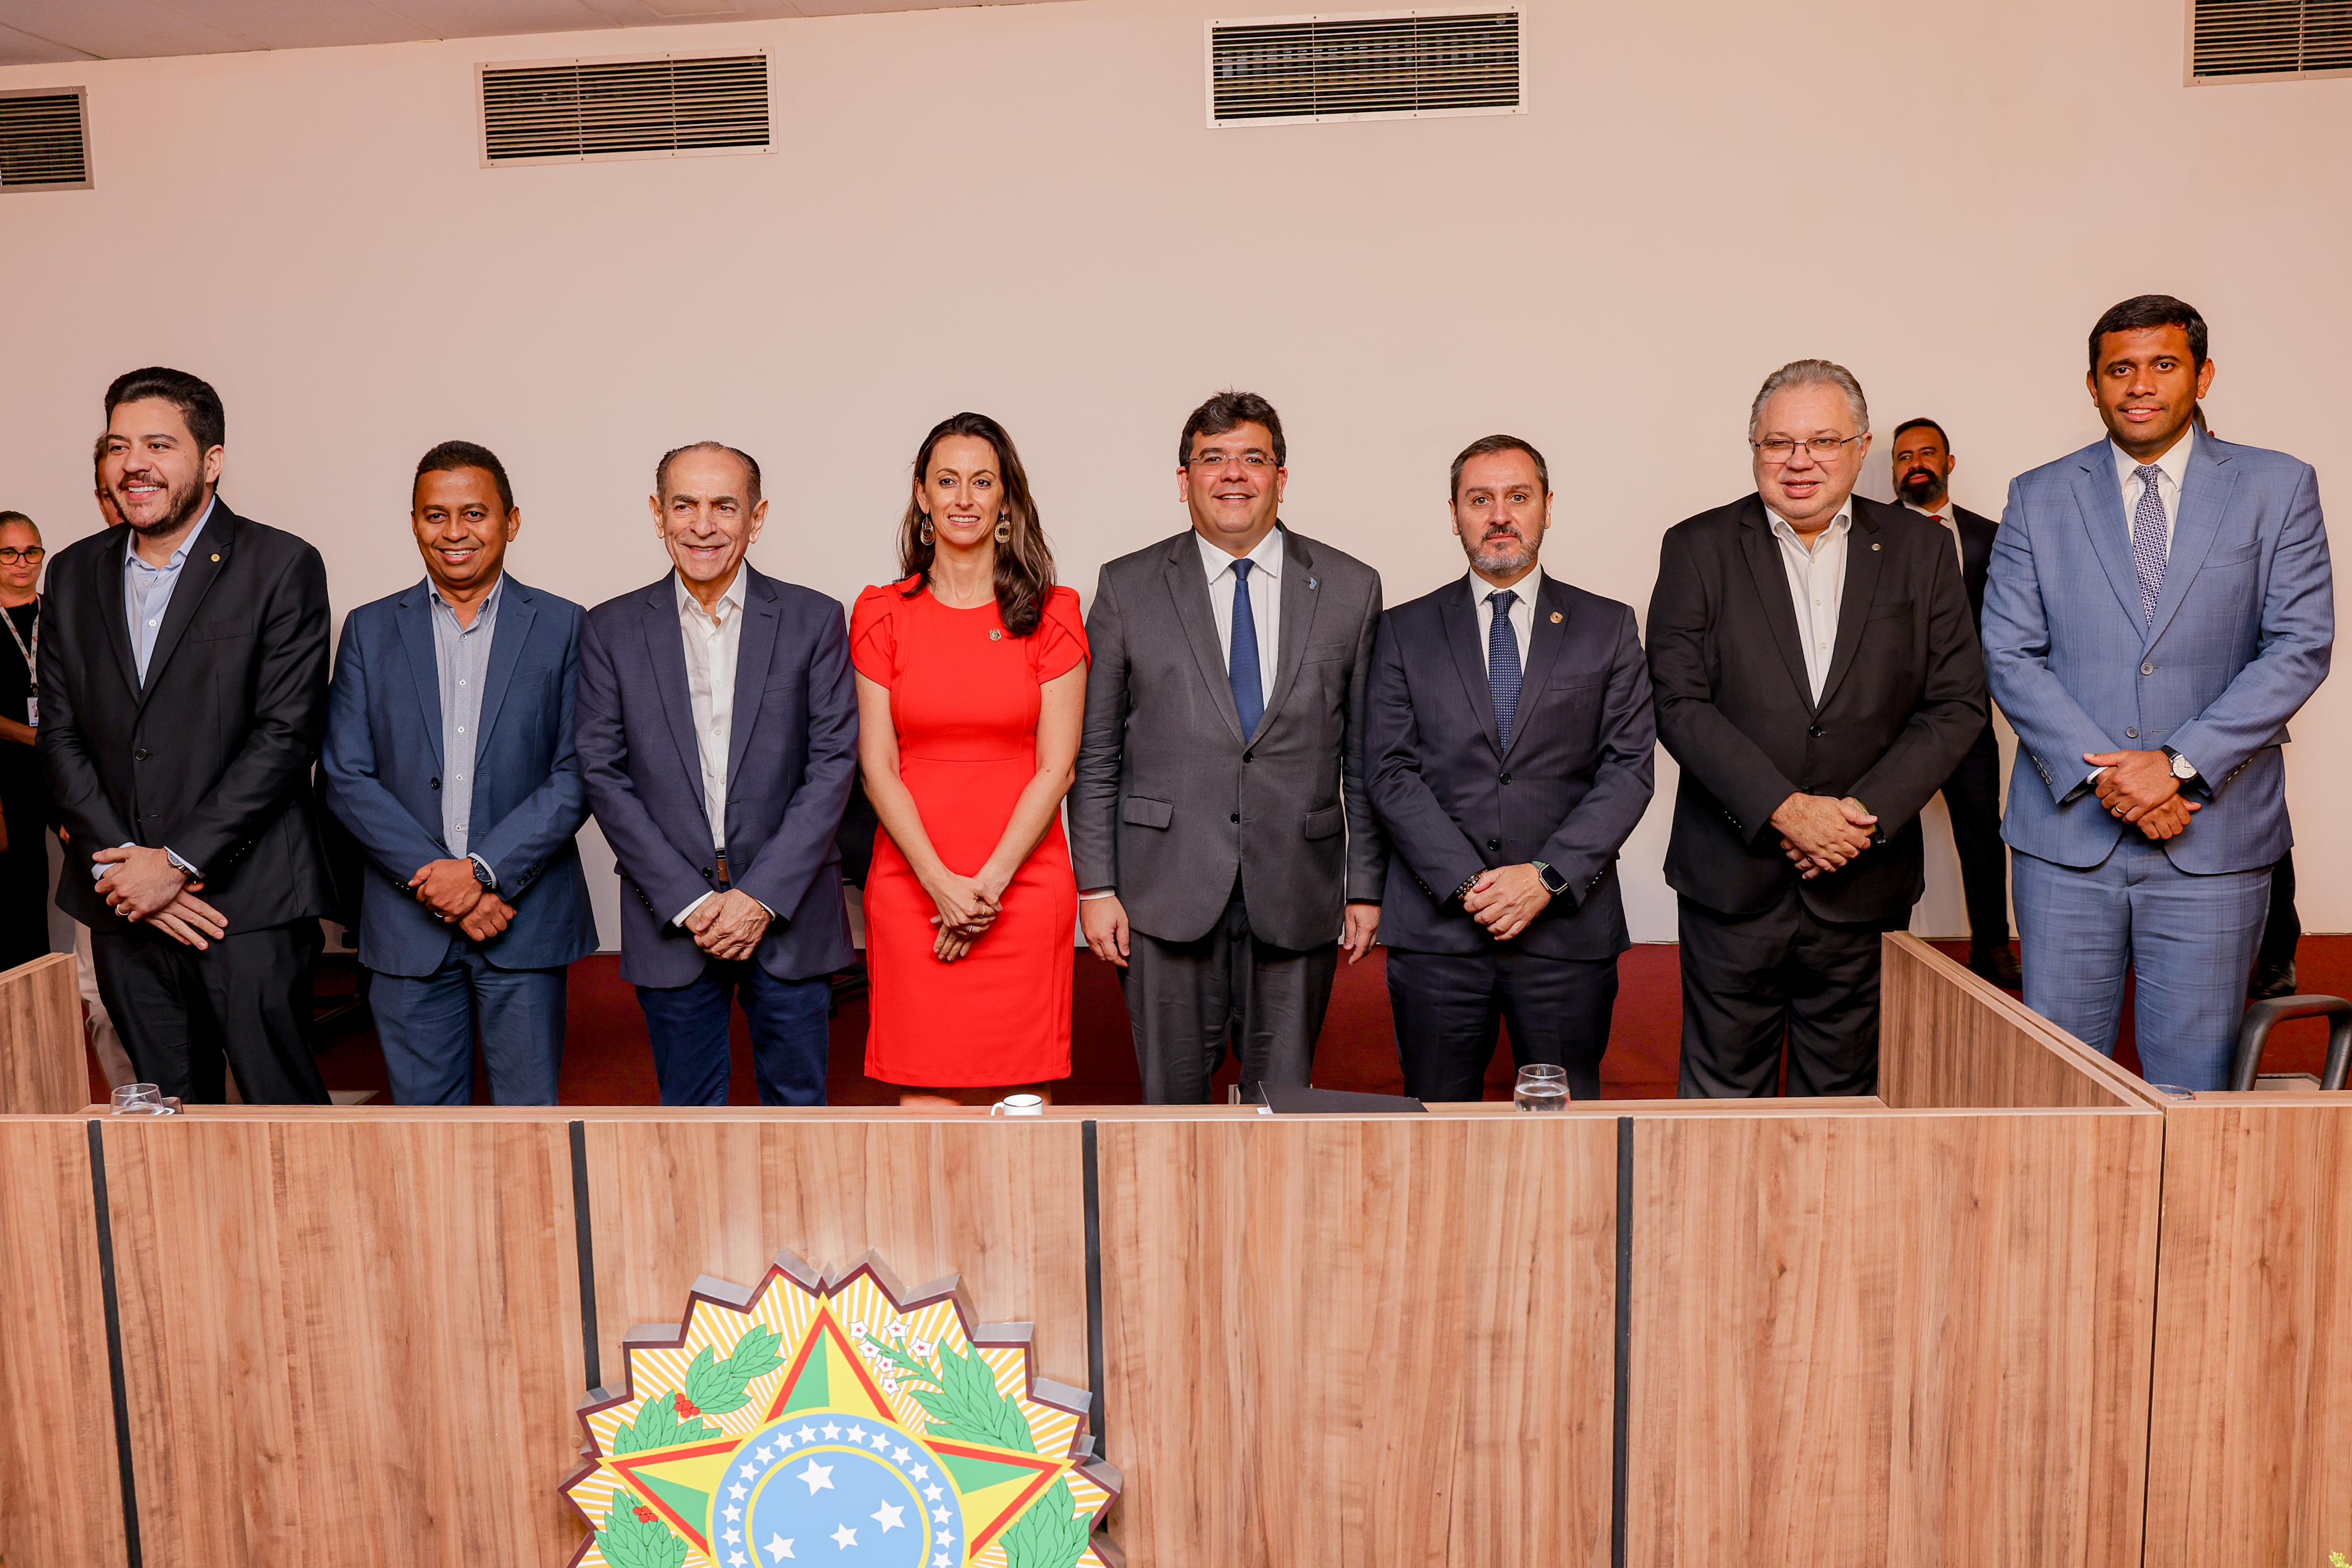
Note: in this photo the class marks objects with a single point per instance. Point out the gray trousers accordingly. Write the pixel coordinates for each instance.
(1188, 1000)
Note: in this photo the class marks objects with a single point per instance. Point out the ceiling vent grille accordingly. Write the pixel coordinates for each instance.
(1406, 66)
(2236, 38)
(44, 140)
(666, 106)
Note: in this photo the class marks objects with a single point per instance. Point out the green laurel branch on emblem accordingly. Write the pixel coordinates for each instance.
(713, 1388)
(960, 1394)
(635, 1537)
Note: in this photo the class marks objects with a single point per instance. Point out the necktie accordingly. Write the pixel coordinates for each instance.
(1241, 664)
(1503, 664)
(2149, 548)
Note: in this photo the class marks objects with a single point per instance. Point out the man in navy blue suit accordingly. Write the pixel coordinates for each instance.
(450, 757)
(1509, 744)
(718, 737)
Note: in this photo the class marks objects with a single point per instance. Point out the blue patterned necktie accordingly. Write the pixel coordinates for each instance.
(1503, 664)
(1241, 665)
(2149, 548)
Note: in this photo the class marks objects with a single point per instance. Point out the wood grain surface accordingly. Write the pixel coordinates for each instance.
(2250, 1459)
(43, 1067)
(59, 1500)
(349, 1341)
(1894, 1339)
(1361, 1343)
(1950, 1039)
(1001, 1204)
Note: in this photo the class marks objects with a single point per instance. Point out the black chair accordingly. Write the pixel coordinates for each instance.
(2263, 1016)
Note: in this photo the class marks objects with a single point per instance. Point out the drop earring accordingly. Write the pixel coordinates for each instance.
(924, 533)
(1003, 530)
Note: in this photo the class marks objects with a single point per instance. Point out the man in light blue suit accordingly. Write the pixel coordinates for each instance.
(450, 757)
(2160, 605)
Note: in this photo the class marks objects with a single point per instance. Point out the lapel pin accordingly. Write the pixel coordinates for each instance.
(1873, 544)
(1310, 582)
(994, 635)
(1555, 617)
(216, 555)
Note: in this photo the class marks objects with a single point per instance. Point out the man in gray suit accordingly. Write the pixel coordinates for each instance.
(1225, 842)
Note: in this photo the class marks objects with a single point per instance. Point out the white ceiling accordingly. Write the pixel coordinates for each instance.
(45, 31)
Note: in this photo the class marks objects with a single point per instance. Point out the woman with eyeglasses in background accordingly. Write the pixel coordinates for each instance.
(23, 798)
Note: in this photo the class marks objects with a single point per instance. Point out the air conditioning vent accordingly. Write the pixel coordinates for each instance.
(44, 140)
(2270, 39)
(667, 106)
(1408, 65)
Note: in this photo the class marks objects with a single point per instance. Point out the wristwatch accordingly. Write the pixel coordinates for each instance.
(1553, 883)
(2182, 768)
(481, 873)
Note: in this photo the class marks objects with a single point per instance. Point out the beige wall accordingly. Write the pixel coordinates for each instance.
(1021, 210)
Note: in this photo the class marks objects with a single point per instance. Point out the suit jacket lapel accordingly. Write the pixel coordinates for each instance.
(413, 616)
(665, 648)
(1187, 585)
(2204, 502)
(113, 610)
(2100, 499)
(1763, 553)
(1859, 597)
(516, 612)
(1543, 652)
(207, 555)
(1300, 595)
(1458, 612)
(755, 647)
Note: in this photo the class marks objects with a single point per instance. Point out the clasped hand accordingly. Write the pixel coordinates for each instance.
(143, 886)
(1505, 899)
(729, 924)
(968, 906)
(1821, 835)
(2139, 787)
(452, 891)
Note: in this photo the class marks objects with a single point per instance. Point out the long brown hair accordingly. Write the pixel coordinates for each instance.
(1024, 566)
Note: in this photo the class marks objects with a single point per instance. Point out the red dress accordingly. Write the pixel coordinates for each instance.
(964, 703)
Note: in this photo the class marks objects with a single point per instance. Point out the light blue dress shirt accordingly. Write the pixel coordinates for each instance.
(146, 595)
(461, 658)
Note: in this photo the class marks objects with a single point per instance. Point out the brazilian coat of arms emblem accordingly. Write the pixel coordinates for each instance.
(840, 1420)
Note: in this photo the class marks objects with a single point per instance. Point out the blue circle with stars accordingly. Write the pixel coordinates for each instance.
(819, 1488)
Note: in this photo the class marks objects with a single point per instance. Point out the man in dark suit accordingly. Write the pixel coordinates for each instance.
(1923, 473)
(1510, 740)
(718, 734)
(1817, 679)
(1224, 845)
(449, 758)
(181, 716)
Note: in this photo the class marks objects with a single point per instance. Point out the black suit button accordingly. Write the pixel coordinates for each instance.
(706, 873)
(1814, 730)
(2147, 669)
(1507, 778)
(139, 755)
(1234, 817)
(1494, 845)
(1248, 757)
(436, 783)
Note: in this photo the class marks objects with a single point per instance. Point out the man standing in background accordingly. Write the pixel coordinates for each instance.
(718, 733)
(450, 757)
(181, 716)
(1923, 472)
(1817, 678)
(1510, 745)
(1224, 844)
(2160, 606)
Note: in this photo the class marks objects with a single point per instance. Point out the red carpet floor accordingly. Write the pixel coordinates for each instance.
(607, 1062)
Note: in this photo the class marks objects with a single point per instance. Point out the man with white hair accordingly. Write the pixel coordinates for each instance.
(1817, 677)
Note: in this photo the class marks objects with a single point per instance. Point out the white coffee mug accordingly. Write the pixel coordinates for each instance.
(1019, 1105)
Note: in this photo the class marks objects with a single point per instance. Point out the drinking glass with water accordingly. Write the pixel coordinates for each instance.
(1542, 1087)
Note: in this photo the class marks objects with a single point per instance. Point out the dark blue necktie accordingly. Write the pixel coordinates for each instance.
(1503, 664)
(1241, 667)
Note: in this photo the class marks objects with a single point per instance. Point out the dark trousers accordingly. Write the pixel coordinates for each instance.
(1190, 1001)
(23, 871)
(1448, 1006)
(1972, 795)
(791, 1044)
(427, 1024)
(1750, 982)
(242, 1003)
(2284, 929)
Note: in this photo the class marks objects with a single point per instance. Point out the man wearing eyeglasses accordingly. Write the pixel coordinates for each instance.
(23, 800)
(1817, 678)
(1224, 844)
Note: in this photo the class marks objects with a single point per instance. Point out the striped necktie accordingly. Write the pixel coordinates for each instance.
(2148, 545)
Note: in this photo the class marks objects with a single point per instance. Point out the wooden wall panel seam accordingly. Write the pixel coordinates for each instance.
(124, 1458)
(1620, 1480)
(584, 1242)
(1090, 1152)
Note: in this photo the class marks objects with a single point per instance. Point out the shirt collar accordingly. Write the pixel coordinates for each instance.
(1266, 558)
(732, 598)
(481, 611)
(1527, 588)
(1944, 511)
(179, 556)
(1837, 528)
(2174, 462)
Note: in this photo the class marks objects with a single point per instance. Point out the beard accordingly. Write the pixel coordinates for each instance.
(1505, 554)
(1922, 488)
(184, 506)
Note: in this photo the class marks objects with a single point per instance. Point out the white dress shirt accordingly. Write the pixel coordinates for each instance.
(2174, 466)
(710, 646)
(1265, 602)
(1943, 514)
(1816, 587)
(1522, 612)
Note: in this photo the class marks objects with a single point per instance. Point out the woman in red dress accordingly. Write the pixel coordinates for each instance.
(971, 675)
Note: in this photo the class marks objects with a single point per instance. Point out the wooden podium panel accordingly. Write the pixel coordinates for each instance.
(1950, 1040)
(1876, 1338)
(347, 1338)
(1001, 1203)
(1368, 1343)
(44, 1068)
(2249, 1455)
(60, 1501)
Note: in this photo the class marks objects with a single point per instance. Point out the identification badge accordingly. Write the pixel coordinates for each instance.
(33, 712)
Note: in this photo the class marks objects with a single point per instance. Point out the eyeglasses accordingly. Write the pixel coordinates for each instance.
(1211, 462)
(1780, 448)
(31, 555)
